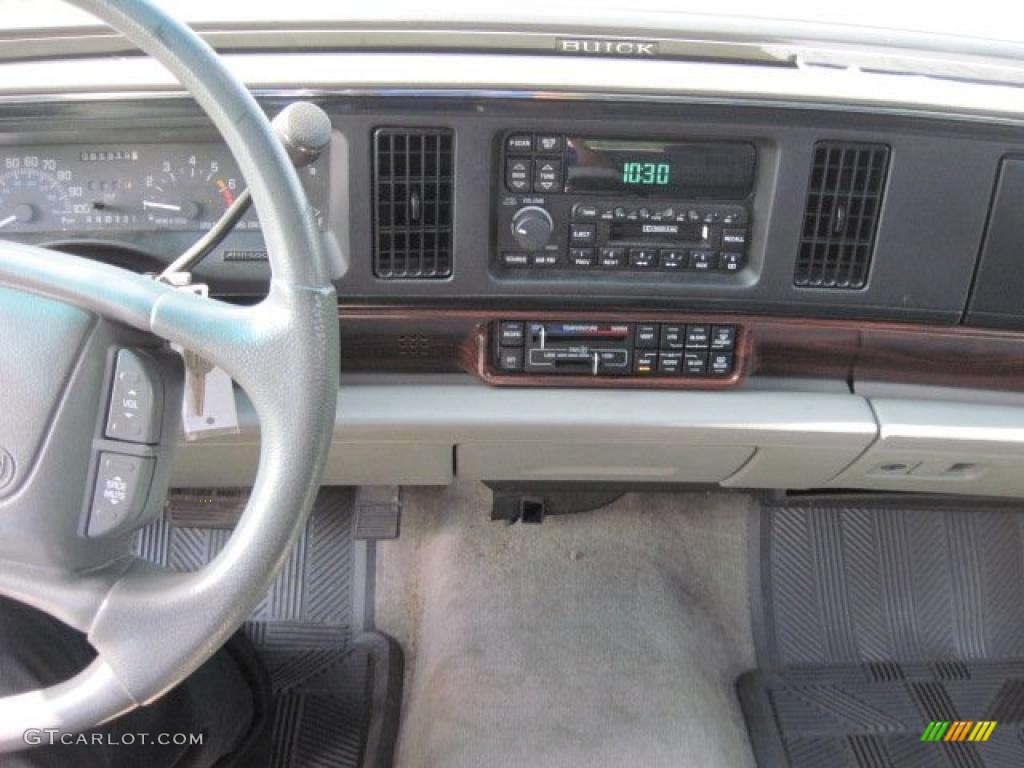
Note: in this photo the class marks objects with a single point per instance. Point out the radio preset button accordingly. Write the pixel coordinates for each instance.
(547, 174)
(674, 259)
(673, 336)
(582, 234)
(519, 142)
(670, 362)
(703, 261)
(517, 174)
(612, 258)
(510, 259)
(551, 143)
(582, 257)
(643, 258)
(732, 262)
(619, 212)
(698, 337)
(695, 363)
(647, 336)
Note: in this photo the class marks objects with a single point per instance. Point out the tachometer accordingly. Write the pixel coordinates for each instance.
(191, 194)
(37, 195)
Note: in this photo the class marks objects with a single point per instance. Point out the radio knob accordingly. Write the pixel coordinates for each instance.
(532, 227)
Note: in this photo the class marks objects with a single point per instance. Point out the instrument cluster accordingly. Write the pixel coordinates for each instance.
(130, 187)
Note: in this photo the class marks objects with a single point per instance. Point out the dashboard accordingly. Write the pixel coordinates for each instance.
(604, 277)
(618, 237)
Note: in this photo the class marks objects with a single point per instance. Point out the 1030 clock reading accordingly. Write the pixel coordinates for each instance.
(647, 174)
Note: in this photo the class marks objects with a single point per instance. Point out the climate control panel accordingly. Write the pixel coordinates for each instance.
(618, 349)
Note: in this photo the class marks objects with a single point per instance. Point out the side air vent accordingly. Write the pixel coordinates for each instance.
(412, 186)
(844, 199)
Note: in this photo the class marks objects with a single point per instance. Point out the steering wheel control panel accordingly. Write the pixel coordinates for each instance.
(587, 205)
(614, 349)
(131, 458)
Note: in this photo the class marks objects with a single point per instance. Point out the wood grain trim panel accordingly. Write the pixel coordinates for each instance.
(421, 340)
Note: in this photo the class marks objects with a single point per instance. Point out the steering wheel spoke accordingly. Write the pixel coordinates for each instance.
(74, 598)
(100, 288)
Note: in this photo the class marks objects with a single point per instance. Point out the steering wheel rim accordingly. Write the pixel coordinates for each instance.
(151, 628)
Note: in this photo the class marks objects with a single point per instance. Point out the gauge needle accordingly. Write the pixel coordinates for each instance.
(163, 206)
(9, 220)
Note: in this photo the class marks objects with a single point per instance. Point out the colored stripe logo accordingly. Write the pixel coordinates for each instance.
(958, 730)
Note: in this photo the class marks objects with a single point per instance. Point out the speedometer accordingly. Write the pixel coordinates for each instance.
(37, 194)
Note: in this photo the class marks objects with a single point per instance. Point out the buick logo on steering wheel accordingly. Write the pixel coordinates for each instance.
(6, 468)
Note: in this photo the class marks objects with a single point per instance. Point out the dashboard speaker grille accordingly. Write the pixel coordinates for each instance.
(844, 199)
(413, 183)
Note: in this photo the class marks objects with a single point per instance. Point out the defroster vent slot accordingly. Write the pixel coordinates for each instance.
(844, 201)
(413, 187)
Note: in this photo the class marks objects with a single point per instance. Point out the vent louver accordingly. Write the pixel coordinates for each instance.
(412, 181)
(844, 199)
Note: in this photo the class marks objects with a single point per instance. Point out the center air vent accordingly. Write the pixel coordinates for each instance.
(844, 199)
(412, 222)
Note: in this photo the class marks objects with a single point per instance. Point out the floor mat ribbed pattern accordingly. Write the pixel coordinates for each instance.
(303, 629)
(876, 715)
(875, 622)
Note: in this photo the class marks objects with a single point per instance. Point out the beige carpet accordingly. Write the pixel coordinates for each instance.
(611, 638)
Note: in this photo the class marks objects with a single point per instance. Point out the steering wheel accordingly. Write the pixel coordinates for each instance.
(151, 627)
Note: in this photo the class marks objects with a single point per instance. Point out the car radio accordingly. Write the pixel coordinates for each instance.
(578, 204)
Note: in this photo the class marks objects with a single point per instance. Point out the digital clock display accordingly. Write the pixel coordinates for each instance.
(687, 170)
(646, 174)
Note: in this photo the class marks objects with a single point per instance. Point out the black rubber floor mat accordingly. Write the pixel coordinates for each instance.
(887, 715)
(876, 623)
(877, 583)
(331, 678)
